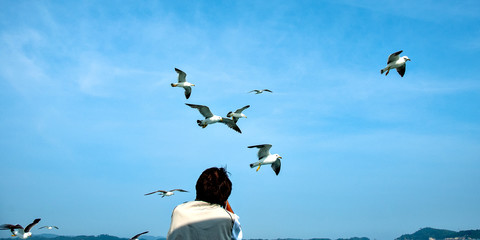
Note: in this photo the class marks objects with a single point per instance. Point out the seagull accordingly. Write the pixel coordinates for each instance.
(165, 193)
(265, 157)
(182, 82)
(257, 91)
(49, 227)
(18, 230)
(395, 61)
(138, 235)
(211, 119)
(237, 114)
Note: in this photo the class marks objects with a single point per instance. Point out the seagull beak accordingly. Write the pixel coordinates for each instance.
(280, 157)
(408, 59)
(193, 84)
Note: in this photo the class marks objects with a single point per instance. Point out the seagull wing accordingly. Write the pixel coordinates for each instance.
(241, 109)
(10, 227)
(276, 166)
(231, 124)
(204, 110)
(27, 229)
(401, 70)
(181, 75)
(235, 119)
(43, 227)
(178, 189)
(188, 91)
(394, 56)
(267, 90)
(263, 151)
(138, 235)
(255, 90)
(162, 191)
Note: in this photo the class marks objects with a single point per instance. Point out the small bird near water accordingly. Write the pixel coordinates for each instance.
(18, 230)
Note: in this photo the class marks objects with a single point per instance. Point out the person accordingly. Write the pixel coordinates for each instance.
(210, 216)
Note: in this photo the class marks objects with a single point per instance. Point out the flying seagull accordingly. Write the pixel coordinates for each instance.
(165, 193)
(18, 230)
(49, 227)
(257, 91)
(237, 114)
(211, 119)
(182, 82)
(265, 157)
(397, 62)
(138, 235)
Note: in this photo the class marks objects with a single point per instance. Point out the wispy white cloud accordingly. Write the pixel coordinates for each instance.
(99, 76)
(19, 63)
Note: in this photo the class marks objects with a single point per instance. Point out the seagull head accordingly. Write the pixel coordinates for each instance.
(278, 156)
(406, 58)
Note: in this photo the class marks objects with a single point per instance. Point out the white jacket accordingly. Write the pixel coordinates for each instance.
(201, 220)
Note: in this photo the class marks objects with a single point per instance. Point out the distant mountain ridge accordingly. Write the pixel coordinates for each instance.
(109, 237)
(440, 234)
(422, 234)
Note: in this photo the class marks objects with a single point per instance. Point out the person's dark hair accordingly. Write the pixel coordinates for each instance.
(214, 186)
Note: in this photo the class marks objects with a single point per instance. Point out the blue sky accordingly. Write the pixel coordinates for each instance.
(90, 122)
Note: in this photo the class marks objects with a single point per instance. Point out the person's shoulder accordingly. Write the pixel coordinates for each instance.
(200, 207)
(193, 204)
(184, 205)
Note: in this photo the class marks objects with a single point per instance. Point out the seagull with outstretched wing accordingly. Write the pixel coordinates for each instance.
(237, 114)
(258, 91)
(182, 82)
(396, 62)
(210, 118)
(265, 158)
(166, 193)
(49, 227)
(18, 230)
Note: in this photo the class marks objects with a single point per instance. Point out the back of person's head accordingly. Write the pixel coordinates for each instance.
(214, 186)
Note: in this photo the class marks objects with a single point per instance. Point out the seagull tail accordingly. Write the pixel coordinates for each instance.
(199, 123)
(381, 71)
